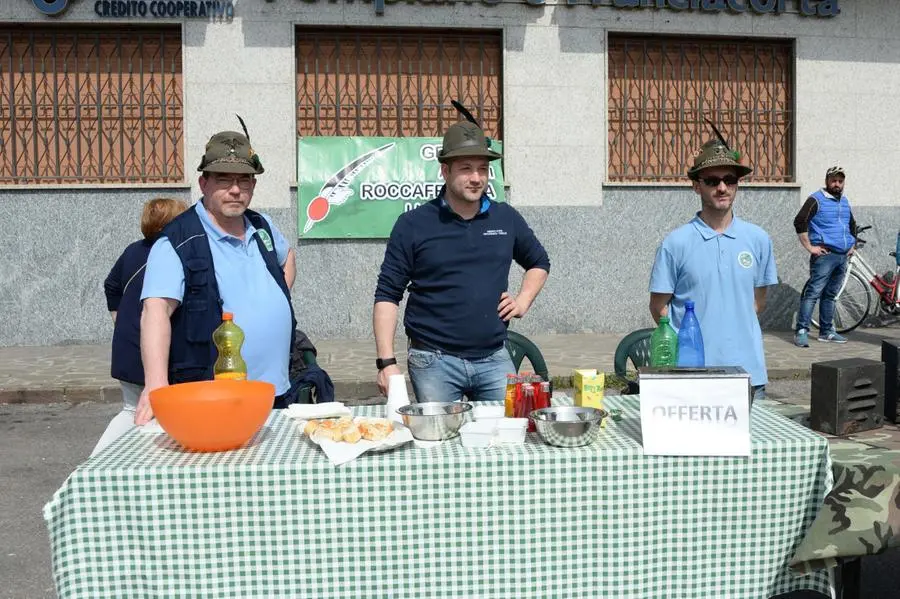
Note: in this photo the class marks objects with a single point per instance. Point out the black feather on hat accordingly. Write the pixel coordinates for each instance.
(231, 152)
(465, 139)
(717, 152)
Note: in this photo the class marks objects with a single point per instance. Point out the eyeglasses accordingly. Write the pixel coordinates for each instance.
(244, 182)
(729, 180)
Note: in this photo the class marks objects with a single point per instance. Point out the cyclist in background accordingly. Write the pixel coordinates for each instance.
(826, 228)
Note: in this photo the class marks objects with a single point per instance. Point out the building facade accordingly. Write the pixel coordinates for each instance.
(600, 107)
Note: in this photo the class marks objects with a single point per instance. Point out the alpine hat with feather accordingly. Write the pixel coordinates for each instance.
(717, 152)
(466, 139)
(231, 152)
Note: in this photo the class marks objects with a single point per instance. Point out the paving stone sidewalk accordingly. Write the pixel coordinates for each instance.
(78, 373)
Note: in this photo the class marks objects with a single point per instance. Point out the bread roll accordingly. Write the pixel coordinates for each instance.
(352, 434)
(376, 429)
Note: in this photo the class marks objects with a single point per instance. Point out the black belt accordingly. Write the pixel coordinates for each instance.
(416, 344)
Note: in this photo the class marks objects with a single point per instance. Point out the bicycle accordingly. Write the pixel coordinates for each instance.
(854, 299)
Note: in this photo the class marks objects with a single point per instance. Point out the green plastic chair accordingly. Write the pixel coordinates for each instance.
(520, 347)
(636, 348)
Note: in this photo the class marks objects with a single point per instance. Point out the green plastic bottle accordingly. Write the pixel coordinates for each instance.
(664, 344)
(229, 338)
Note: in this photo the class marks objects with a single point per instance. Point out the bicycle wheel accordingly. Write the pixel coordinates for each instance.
(851, 306)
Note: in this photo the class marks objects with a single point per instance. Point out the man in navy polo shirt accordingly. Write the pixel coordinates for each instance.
(454, 254)
(721, 263)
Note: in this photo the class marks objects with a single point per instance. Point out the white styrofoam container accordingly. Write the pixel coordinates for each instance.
(511, 430)
(488, 412)
(477, 434)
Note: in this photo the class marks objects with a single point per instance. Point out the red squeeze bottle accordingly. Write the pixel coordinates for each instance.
(536, 382)
(543, 398)
(528, 404)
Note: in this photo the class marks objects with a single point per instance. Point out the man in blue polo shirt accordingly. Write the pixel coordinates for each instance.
(218, 257)
(454, 255)
(721, 263)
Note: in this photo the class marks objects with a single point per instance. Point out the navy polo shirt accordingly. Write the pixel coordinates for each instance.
(455, 271)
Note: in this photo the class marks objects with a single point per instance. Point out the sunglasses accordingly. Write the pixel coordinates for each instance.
(729, 180)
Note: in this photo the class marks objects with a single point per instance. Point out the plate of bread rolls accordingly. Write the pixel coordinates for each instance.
(345, 438)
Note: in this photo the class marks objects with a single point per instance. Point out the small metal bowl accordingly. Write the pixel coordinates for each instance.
(434, 421)
(568, 426)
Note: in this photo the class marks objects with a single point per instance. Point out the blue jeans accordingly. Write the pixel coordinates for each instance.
(826, 273)
(437, 376)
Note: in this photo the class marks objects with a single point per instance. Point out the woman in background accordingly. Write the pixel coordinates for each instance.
(123, 299)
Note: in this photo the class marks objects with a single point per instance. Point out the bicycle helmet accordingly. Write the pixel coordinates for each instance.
(835, 171)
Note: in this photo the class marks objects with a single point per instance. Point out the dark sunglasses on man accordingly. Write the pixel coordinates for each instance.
(729, 180)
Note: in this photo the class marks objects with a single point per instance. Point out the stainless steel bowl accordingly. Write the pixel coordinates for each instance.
(434, 421)
(568, 426)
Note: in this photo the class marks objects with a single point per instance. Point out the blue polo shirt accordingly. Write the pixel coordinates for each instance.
(247, 290)
(719, 272)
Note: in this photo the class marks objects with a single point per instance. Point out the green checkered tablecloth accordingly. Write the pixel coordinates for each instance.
(277, 519)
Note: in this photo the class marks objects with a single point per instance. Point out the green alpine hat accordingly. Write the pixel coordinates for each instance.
(716, 153)
(466, 140)
(230, 152)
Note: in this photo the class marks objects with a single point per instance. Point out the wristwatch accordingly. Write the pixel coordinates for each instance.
(381, 364)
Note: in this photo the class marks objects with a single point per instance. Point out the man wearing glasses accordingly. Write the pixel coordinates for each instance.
(721, 263)
(217, 257)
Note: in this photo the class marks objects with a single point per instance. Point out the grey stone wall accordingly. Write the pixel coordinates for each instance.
(61, 247)
(601, 258)
(63, 244)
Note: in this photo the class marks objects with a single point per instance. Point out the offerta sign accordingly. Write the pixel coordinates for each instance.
(356, 187)
(693, 415)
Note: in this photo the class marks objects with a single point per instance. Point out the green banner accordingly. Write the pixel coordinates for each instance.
(358, 186)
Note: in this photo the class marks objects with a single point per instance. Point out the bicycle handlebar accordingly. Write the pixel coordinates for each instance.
(860, 242)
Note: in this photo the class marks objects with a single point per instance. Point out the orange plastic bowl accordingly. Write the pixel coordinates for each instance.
(213, 415)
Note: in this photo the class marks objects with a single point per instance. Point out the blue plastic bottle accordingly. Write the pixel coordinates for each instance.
(690, 340)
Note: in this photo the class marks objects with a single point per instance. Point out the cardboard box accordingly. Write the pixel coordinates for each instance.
(589, 388)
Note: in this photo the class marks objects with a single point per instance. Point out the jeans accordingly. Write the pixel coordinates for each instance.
(437, 376)
(124, 420)
(826, 273)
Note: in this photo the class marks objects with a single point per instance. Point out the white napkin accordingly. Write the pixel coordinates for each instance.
(328, 409)
(151, 428)
(341, 453)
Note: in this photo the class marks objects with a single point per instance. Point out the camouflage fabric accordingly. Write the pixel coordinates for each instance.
(861, 514)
